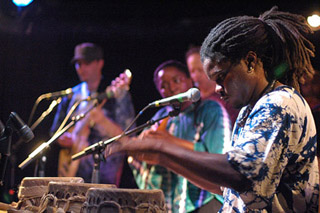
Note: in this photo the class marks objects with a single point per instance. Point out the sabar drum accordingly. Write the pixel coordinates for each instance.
(124, 201)
(67, 197)
(31, 190)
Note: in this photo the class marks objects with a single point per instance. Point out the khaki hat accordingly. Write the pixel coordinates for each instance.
(88, 52)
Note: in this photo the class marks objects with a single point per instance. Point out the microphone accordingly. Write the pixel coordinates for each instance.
(53, 95)
(192, 94)
(19, 126)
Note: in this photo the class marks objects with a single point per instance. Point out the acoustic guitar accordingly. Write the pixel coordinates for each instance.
(79, 133)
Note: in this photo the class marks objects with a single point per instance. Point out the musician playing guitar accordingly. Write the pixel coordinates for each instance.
(106, 120)
(200, 126)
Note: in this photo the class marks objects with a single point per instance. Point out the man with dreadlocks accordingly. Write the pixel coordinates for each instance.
(272, 165)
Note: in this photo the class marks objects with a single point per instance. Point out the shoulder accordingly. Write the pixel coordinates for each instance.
(285, 97)
(283, 102)
(77, 88)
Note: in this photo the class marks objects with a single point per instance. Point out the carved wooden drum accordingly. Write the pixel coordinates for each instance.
(123, 201)
(67, 197)
(31, 190)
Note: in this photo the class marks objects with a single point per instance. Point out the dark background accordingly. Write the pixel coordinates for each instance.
(37, 42)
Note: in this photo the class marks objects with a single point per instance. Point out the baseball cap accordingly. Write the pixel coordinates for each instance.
(88, 52)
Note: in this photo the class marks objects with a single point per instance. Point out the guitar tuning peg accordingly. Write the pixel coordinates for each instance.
(128, 73)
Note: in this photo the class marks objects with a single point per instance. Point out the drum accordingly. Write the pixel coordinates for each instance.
(31, 190)
(124, 201)
(67, 197)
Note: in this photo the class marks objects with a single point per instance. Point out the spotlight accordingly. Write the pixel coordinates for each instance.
(22, 3)
(314, 20)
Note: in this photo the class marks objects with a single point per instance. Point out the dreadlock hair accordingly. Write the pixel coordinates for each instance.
(278, 39)
(170, 63)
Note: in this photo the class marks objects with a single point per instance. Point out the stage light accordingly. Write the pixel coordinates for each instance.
(314, 20)
(22, 3)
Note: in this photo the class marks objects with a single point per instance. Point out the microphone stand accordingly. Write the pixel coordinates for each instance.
(46, 145)
(53, 104)
(97, 149)
(97, 158)
(5, 156)
(40, 163)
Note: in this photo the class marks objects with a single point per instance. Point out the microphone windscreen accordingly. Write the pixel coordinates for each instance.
(23, 130)
(26, 133)
(195, 94)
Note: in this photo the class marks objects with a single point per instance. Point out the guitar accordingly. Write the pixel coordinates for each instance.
(137, 164)
(80, 132)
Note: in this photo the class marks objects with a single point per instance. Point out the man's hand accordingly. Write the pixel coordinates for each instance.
(121, 84)
(100, 122)
(96, 116)
(65, 140)
(166, 137)
(146, 149)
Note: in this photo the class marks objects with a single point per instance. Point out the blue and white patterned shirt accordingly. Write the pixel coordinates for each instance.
(276, 150)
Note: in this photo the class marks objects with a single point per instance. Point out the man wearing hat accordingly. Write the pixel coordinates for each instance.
(106, 120)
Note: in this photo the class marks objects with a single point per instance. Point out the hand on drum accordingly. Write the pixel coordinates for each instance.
(163, 136)
(147, 147)
(157, 134)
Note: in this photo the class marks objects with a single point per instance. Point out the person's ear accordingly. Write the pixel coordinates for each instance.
(101, 63)
(251, 60)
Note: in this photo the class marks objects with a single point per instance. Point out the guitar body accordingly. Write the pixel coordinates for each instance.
(67, 167)
(80, 133)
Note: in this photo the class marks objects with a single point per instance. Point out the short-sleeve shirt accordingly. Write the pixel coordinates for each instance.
(208, 126)
(276, 149)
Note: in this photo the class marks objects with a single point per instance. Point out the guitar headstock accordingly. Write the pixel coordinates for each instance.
(121, 83)
(126, 78)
